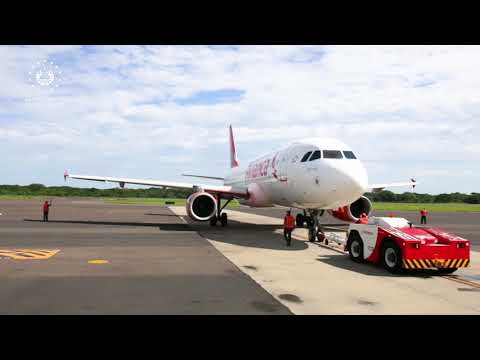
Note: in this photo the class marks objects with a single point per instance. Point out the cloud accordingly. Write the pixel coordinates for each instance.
(156, 111)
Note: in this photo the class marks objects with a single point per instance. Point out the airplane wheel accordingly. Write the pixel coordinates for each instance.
(223, 219)
(309, 221)
(213, 221)
(355, 247)
(321, 237)
(300, 220)
(391, 257)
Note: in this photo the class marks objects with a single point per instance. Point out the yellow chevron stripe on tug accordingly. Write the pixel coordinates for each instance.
(435, 263)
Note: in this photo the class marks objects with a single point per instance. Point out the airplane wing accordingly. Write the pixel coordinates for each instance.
(204, 177)
(380, 187)
(215, 189)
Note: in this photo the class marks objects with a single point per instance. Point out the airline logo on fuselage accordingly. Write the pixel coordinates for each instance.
(260, 169)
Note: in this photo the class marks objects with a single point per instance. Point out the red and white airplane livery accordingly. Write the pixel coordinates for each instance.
(313, 175)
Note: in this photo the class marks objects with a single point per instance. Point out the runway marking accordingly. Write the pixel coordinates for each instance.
(27, 254)
(98, 262)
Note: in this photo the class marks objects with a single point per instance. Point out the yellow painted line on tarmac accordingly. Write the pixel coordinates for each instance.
(27, 254)
(98, 261)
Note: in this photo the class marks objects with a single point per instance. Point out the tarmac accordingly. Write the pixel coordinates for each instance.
(311, 278)
(117, 259)
(97, 258)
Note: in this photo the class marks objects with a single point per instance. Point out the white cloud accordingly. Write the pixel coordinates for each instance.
(406, 110)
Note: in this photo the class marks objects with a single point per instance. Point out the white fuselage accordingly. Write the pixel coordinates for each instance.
(281, 178)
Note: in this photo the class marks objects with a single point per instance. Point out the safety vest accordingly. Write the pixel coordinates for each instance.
(289, 222)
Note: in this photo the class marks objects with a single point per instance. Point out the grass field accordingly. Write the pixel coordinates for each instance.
(382, 206)
(22, 197)
(449, 207)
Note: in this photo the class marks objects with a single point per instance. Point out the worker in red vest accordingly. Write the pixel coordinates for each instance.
(423, 213)
(363, 219)
(288, 226)
(46, 208)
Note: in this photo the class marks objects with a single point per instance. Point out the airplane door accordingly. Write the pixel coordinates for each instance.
(283, 167)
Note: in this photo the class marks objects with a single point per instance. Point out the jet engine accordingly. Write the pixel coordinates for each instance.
(352, 212)
(201, 206)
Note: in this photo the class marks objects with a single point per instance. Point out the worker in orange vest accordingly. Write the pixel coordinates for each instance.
(423, 213)
(46, 208)
(363, 219)
(288, 226)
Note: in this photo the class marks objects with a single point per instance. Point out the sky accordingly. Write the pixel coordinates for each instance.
(155, 112)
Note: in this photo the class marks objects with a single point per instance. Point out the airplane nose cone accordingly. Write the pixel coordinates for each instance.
(349, 181)
(356, 182)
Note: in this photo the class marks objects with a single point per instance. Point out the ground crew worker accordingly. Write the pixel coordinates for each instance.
(46, 207)
(423, 213)
(363, 219)
(288, 226)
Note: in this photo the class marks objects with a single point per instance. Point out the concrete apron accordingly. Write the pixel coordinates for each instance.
(310, 278)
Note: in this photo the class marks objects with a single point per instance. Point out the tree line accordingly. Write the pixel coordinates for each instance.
(154, 192)
(410, 197)
(42, 190)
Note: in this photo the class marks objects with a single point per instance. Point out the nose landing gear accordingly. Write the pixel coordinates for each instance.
(315, 232)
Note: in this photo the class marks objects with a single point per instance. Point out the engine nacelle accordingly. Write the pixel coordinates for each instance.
(201, 206)
(352, 212)
(256, 197)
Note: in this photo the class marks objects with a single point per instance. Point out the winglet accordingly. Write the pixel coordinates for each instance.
(65, 175)
(233, 152)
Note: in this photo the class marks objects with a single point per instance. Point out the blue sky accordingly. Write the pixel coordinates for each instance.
(157, 111)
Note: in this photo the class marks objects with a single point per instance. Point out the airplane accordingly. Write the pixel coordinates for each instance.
(312, 175)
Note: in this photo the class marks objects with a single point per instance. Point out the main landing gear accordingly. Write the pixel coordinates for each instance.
(221, 216)
(312, 222)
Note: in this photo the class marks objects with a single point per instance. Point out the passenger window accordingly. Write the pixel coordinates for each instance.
(316, 155)
(305, 157)
(349, 154)
(332, 154)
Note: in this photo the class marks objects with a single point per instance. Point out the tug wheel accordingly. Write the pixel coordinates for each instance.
(391, 257)
(355, 247)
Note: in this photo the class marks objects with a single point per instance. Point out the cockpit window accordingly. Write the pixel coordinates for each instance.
(349, 155)
(305, 157)
(332, 154)
(316, 155)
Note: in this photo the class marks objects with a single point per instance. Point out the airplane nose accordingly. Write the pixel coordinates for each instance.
(356, 180)
(349, 182)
